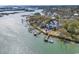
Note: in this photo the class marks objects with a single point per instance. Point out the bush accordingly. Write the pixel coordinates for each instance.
(72, 26)
(37, 14)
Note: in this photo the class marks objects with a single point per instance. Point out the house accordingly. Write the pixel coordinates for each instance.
(53, 24)
(76, 14)
(54, 14)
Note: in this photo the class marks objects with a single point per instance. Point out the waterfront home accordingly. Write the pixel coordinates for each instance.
(54, 14)
(53, 24)
(76, 14)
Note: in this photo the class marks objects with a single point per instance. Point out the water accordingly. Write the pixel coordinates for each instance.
(15, 39)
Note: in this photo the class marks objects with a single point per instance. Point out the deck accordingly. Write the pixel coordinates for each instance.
(56, 34)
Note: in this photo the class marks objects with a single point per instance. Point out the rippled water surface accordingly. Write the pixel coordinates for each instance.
(15, 38)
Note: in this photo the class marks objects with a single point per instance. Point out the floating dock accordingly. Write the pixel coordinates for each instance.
(55, 34)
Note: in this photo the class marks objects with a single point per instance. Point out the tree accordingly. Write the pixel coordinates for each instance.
(37, 14)
(72, 27)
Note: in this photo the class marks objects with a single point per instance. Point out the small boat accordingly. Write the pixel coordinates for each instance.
(35, 32)
(45, 40)
(30, 30)
(49, 40)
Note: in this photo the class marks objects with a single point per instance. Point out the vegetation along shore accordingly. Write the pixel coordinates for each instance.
(54, 26)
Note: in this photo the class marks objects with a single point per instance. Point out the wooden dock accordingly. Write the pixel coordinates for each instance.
(55, 34)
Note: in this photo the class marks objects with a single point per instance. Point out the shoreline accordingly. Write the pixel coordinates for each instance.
(55, 34)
